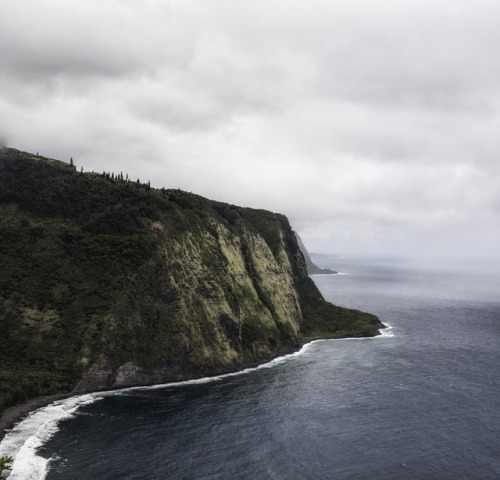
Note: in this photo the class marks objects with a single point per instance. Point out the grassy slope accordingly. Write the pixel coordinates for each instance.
(81, 274)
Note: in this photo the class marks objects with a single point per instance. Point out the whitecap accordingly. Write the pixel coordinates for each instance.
(23, 441)
(198, 381)
(327, 274)
(388, 331)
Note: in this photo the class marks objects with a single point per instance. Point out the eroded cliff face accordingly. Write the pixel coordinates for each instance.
(230, 302)
(107, 283)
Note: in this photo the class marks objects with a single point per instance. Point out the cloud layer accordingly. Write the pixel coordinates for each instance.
(372, 125)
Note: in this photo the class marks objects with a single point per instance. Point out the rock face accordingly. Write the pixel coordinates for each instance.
(312, 268)
(248, 311)
(108, 283)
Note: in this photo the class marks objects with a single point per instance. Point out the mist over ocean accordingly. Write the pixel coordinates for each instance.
(420, 402)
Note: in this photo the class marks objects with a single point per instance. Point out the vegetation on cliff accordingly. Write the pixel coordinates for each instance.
(125, 284)
(4, 465)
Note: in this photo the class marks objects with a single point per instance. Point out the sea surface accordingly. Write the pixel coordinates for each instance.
(422, 401)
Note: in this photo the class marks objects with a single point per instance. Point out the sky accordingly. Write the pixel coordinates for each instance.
(374, 126)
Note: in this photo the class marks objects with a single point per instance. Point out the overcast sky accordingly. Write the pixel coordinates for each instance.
(373, 125)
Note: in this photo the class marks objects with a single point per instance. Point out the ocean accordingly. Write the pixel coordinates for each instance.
(421, 401)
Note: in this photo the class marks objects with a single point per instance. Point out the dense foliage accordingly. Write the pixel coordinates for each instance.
(4, 465)
(94, 264)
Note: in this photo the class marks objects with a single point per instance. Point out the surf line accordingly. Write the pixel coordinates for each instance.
(23, 441)
(41, 424)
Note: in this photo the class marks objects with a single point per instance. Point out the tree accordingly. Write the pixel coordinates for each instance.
(3, 465)
(71, 162)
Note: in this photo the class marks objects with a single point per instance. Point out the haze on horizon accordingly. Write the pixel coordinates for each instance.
(374, 126)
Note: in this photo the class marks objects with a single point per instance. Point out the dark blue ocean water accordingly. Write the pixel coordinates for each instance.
(421, 402)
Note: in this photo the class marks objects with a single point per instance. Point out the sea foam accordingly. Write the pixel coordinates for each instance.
(388, 331)
(198, 381)
(25, 438)
(29, 435)
(23, 441)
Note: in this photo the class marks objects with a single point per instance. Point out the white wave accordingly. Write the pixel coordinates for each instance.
(23, 441)
(25, 438)
(327, 274)
(384, 333)
(198, 381)
(388, 331)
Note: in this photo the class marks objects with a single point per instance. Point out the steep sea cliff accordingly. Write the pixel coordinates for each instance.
(108, 283)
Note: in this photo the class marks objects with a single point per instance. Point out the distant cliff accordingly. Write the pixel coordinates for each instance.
(312, 268)
(108, 283)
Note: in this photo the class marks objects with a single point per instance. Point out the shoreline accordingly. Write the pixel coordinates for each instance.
(15, 414)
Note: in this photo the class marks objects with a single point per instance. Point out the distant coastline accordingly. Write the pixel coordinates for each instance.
(312, 268)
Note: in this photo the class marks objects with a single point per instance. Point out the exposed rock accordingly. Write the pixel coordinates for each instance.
(108, 283)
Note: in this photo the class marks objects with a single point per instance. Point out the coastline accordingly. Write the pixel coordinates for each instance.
(15, 414)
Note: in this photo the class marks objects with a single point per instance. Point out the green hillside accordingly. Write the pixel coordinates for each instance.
(106, 282)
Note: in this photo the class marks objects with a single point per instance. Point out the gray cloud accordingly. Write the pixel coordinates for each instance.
(372, 125)
(91, 38)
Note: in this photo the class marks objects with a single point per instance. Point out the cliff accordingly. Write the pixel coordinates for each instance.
(312, 268)
(108, 283)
